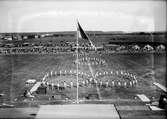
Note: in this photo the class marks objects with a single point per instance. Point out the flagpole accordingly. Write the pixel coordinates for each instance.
(77, 62)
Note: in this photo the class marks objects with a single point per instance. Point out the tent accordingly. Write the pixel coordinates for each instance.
(148, 47)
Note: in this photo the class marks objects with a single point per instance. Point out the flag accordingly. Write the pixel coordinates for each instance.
(82, 35)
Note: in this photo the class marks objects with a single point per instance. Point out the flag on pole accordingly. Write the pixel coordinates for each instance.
(83, 35)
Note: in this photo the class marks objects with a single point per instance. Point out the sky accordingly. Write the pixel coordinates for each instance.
(99, 15)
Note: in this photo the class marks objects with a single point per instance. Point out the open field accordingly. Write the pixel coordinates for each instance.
(148, 68)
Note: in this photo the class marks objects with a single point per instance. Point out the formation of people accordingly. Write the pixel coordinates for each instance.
(105, 79)
(90, 61)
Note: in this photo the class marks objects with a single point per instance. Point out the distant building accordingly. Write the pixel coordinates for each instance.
(42, 35)
(25, 37)
(160, 47)
(8, 38)
(36, 36)
(31, 81)
(148, 48)
(136, 47)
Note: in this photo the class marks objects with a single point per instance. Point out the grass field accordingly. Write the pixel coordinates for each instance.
(16, 69)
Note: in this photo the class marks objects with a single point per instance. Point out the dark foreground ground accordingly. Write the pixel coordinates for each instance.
(134, 111)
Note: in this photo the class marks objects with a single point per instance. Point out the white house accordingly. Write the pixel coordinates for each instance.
(148, 47)
(160, 47)
(31, 81)
(136, 47)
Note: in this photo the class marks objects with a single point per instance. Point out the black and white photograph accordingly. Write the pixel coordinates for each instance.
(83, 59)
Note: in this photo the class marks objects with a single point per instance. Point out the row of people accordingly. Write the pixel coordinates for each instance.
(33, 50)
(90, 61)
(64, 72)
(119, 74)
(86, 83)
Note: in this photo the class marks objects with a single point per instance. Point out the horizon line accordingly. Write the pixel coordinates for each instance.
(87, 31)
